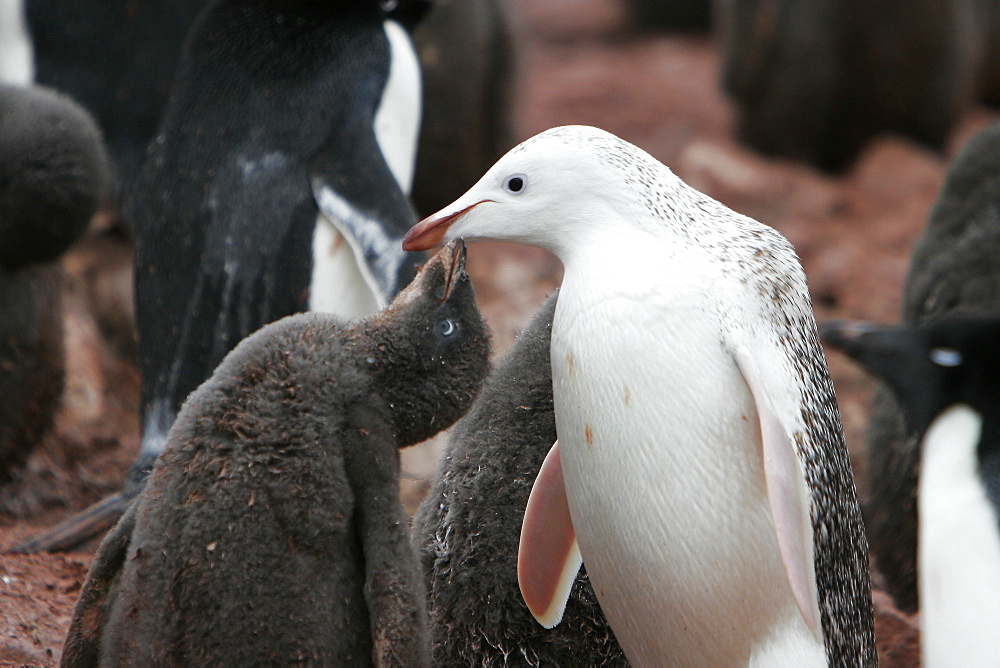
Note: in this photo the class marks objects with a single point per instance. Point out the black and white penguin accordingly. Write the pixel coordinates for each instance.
(816, 80)
(700, 471)
(945, 374)
(953, 267)
(271, 529)
(118, 59)
(277, 184)
(467, 528)
(53, 174)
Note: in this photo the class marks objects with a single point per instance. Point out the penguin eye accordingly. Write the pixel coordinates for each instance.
(445, 327)
(515, 183)
(946, 357)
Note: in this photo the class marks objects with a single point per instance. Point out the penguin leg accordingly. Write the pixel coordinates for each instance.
(394, 587)
(73, 532)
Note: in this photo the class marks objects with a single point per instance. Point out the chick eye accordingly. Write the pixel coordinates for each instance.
(446, 327)
(515, 183)
(946, 357)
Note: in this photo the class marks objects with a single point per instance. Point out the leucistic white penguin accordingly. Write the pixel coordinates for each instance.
(700, 469)
(946, 376)
(277, 184)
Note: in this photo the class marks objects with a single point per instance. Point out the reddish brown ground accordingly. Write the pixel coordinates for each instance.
(581, 65)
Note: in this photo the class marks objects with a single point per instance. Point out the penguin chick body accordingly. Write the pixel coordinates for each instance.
(271, 528)
(53, 174)
(53, 171)
(467, 528)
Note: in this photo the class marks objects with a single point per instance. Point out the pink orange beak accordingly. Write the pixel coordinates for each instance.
(430, 231)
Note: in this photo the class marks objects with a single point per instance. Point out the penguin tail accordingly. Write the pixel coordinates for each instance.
(92, 522)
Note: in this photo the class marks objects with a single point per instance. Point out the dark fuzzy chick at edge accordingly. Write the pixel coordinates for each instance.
(271, 529)
(468, 528)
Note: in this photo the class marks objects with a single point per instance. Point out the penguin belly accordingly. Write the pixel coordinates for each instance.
(660, 444)
(959, 547)
(16, 53)
(338, 285)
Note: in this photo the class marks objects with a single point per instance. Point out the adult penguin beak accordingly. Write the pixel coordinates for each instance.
(430, 231)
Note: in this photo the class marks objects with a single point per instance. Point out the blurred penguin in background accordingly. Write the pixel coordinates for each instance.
(277, 184)
(945, 375)
(816, 80)
(694, 16)
(955, 267)
(53, 176)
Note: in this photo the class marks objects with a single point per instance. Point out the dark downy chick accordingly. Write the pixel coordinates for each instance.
(53, 175)
(468, 528)
(271, 528)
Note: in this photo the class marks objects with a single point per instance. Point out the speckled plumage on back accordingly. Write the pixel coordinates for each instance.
(468, 527)
(953, 267)
(271, 528)
(669, 301)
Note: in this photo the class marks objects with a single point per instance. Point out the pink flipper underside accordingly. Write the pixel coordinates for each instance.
(548, 557)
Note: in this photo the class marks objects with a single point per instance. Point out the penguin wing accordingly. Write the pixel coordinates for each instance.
(358, 195)
(787, 491)
(83, 640)
(548, 557)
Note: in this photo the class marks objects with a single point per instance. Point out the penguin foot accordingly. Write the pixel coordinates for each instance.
(73, 532)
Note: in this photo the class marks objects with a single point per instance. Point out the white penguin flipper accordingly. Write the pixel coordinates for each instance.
(787, 492)
(548, 557)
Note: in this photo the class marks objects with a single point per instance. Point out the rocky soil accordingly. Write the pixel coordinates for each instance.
(582, 63)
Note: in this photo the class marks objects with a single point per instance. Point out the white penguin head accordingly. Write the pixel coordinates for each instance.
(548, 191)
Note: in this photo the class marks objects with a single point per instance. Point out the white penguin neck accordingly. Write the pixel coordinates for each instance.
(959, 547)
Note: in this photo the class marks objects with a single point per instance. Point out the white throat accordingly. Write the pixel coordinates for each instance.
(16, 58)
(397, 119)
(958, 547)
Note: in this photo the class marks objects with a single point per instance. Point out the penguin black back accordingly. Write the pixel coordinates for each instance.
(117, 58)
(269, 97)
(468, 527)
(271, 527)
